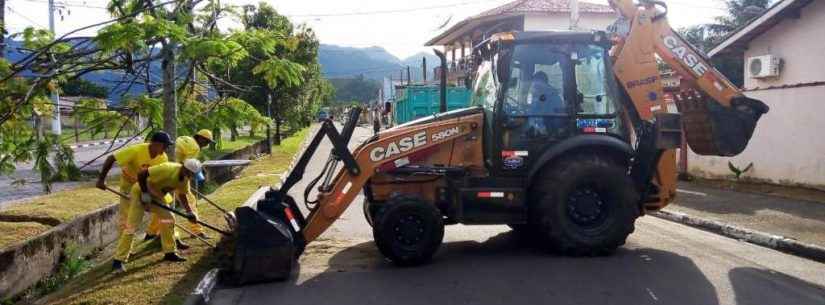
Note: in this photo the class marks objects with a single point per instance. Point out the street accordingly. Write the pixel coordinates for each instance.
(11, 194)
(662, 263)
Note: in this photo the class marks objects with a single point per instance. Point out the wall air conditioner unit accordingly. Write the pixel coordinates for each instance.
(763, 66)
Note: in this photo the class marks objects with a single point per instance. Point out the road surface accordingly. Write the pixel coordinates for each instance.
(662, 263)
(11, 193)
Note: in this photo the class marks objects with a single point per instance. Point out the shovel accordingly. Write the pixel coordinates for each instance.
(162, 206)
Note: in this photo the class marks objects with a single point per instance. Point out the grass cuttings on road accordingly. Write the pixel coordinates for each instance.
(151, 281)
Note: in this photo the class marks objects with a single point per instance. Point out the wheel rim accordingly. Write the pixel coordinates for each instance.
(408, 230)
(587, 207)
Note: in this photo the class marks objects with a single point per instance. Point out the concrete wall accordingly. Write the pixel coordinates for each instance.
(788, 145)
(25, 264)
(544, 22)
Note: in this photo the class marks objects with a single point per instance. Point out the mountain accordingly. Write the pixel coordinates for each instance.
(372, 62)
(111, 80)
(347, 62)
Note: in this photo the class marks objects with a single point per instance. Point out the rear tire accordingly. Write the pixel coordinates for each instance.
(408, 230)
(585, 205)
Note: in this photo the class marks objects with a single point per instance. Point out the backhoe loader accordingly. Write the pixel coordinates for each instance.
(569, 139)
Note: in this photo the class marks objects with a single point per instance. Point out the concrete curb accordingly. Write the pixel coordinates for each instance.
(203, 292)
(84, 145)
(776, 242)
(24, 264)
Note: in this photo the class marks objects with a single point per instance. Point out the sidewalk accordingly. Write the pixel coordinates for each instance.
(794, 218)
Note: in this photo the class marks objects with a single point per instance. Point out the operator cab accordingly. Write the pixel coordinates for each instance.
(540, 88)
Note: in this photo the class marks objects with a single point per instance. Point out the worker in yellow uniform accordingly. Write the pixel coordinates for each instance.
(131, 161)
(186, 147)
(154, 184)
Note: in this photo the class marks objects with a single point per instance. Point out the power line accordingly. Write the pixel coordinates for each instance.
(24, 16)
(72, 4)
(395, 11)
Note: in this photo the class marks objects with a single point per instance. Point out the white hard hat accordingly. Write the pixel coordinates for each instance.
(193, 165)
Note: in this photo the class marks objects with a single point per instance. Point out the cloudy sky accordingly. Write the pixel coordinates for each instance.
(400, 26)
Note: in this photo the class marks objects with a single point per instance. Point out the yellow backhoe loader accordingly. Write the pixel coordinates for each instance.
(569, 139)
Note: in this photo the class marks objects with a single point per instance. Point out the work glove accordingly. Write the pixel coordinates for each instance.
(145, 197)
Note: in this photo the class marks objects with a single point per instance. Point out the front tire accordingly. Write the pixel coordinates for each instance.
(408, 230)
(587, 205)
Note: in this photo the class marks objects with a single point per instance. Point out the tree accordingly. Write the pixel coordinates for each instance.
(3, 28)
(82, 87)
(707, 36)
(141, 33)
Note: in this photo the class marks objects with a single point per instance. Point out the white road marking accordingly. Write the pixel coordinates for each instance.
(650, 292)
(691, 192)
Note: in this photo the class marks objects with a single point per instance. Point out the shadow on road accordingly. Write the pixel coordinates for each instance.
(500, 270)
(761, 286)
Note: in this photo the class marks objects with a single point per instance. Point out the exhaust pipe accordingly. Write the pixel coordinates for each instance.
(443, 84)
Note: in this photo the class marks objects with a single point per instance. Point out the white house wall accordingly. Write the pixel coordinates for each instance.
(789, 143)
(546, 22)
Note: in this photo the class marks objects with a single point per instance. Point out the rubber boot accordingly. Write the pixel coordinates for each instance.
(173, 257)
(181, 245)
(117, 266)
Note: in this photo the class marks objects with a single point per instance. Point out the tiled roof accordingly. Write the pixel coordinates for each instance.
(544, 6)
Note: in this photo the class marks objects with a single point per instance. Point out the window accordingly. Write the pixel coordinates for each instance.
(591, 80)
(536, 82)
(484, 91)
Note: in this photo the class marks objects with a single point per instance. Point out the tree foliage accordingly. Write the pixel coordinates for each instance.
(224, 79)
(707, 36)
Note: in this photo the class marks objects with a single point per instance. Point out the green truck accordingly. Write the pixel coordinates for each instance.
(416, 101)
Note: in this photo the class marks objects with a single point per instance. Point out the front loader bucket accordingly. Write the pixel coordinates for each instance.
(267, 240)
(716, 130)
(269, 232)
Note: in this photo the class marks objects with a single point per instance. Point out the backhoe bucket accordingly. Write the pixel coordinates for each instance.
(269, 232)
(267, 240)
(715, 130)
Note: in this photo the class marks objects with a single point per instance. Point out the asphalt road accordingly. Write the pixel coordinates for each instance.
(662, 263)
(11, 193)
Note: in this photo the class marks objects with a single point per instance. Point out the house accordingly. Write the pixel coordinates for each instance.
(784, 67)
(519, 15)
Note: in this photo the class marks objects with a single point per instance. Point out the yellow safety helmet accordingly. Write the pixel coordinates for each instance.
(206, 134)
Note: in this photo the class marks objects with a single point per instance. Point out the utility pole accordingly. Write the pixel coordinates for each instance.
(574, 14)
(56, 128)
(268, 125)
(423, 67)
(2, 28)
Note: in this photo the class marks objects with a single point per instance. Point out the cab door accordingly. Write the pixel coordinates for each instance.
(535, 106)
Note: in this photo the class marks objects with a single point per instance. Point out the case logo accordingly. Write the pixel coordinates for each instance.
(408, 143)
(687, 57)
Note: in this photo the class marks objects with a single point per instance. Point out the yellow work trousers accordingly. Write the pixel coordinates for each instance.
(154, 226)
(166, 224)
(123, 207)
